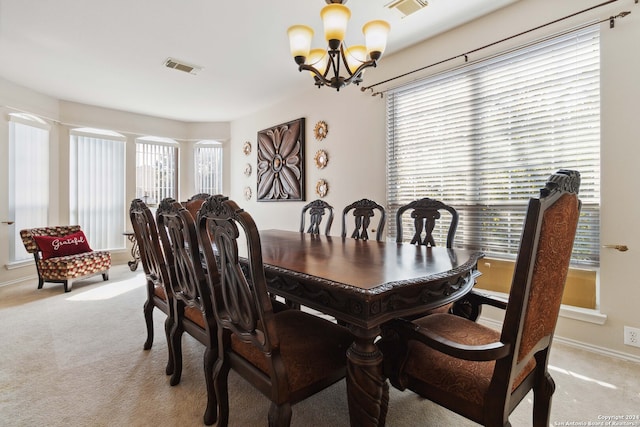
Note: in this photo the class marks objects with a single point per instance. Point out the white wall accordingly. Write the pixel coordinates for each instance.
(355, 146)
(356, 142)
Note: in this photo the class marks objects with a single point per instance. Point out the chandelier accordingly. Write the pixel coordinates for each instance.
(326, 65)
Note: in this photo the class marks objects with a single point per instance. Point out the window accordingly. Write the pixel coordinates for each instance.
(156, 169)
(97, 186)
(484, 138)
(208, 167)
(28, 179)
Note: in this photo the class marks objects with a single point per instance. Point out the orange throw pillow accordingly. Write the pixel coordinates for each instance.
(56, 246)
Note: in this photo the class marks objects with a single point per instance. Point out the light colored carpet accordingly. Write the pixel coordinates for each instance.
(76, 359)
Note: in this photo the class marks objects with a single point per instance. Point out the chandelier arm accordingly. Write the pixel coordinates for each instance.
(344, 60)
(357, 74)
(317, 73)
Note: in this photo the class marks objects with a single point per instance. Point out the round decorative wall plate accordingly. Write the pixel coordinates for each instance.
(320, 130)
(321, 158)
(247, 193)
(322, 188)
(246, 148)
(247, 170)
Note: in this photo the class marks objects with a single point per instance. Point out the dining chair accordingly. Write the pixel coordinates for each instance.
(289, 355)
(476, 371)
(317, 209)
(159, 292)
(194, 202)
(363, 211)
(425, 213)
(192, 302)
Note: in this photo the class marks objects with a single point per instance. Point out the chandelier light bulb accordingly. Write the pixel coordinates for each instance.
(300, 41)
(375, 34)
(355, 57)
(318, 59)
(335, 18)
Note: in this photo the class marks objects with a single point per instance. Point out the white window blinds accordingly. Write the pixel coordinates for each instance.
(484, 139)
(156, 169)
(97, 187)
(28, 179)
(208, 167)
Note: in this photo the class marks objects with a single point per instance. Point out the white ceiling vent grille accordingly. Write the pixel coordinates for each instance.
(407, 7)
(181, 66)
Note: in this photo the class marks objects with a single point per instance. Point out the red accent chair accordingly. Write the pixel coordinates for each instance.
(62, 265)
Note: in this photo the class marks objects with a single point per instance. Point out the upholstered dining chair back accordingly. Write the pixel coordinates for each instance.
(159, 293)
(479, 372)
(317, 209)
(363, 211)
(192, 303)
(287, 355)
(194, 202)
(425, 213)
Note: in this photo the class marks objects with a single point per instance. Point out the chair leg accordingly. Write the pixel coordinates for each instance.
(148, 319)
(280, 415)
(542, 395)
(211, 413)
(68, 284)
(168, 326)
(176, 350)
(221, 384)
(40, 282)
(105, 275)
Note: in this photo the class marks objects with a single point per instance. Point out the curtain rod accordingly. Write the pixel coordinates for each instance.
(466, 54)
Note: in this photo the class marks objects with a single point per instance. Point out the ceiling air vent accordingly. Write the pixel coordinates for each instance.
(407, 7)
(181, 66)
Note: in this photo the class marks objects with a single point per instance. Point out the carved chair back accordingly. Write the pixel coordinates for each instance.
(243, 305)
(317, 209)
(363, 211)
(541, 271)
(425, 213)
(146, 233)
(193, 306)
(194, 202)
(159, 291)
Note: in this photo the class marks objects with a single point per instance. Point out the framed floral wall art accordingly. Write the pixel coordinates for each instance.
(280, 170)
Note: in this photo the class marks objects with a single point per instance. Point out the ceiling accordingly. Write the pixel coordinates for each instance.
(111, 53)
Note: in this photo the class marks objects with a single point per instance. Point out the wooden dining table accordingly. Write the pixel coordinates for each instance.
(364, 284)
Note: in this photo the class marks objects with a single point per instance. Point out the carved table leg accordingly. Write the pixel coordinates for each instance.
(367, 388)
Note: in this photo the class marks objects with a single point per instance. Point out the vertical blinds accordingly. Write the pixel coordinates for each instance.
(97, 188)
(156, 171)
(28, 181)
(208, 169)
(484, 139)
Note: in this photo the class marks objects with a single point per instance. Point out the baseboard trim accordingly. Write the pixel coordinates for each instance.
(20, 280)
(597, 349)
(576, 344)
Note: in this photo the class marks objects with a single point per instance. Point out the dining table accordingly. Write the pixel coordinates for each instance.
(363, 284)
